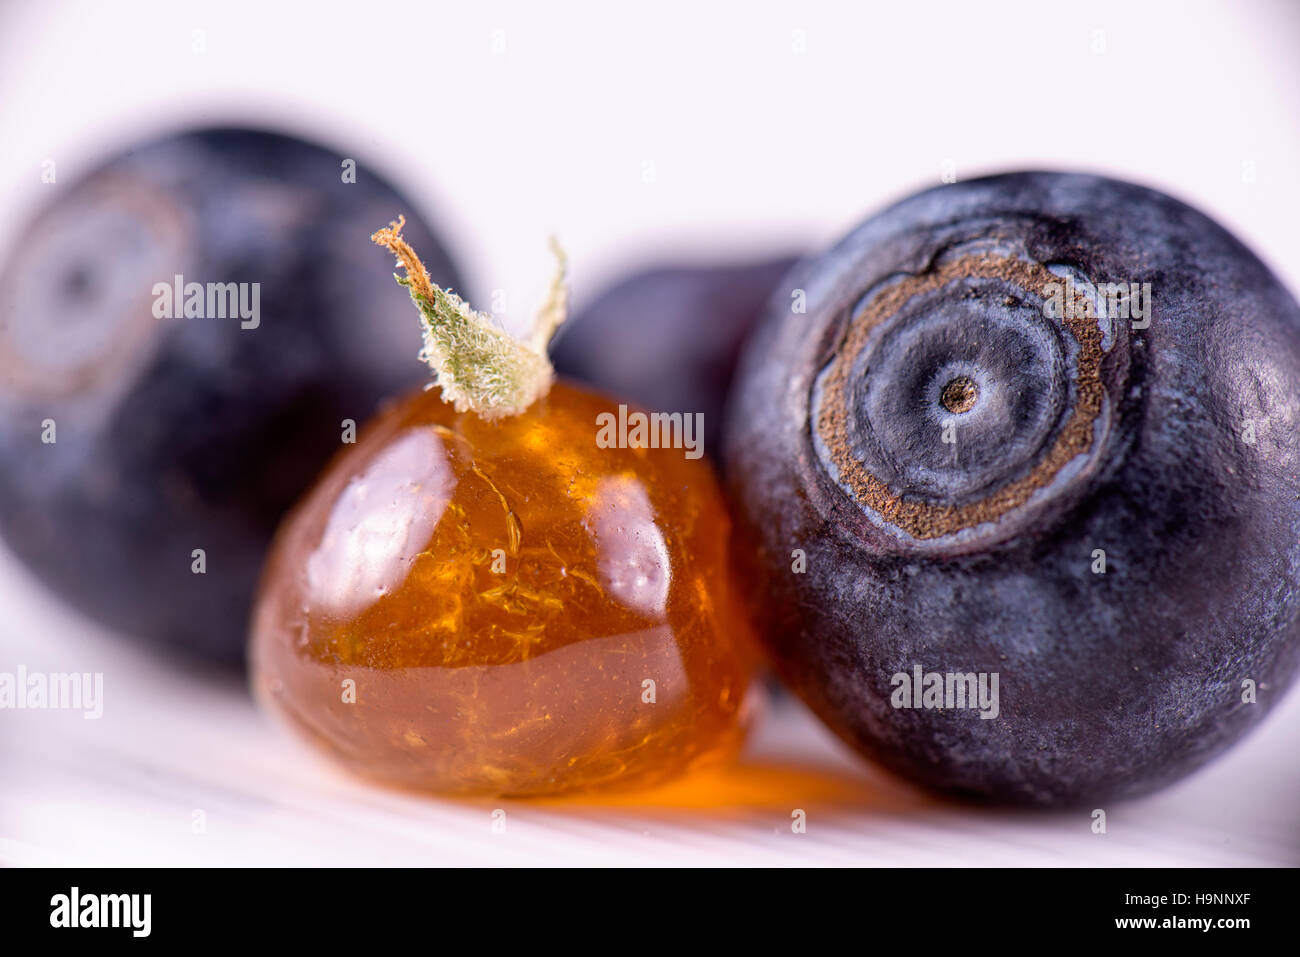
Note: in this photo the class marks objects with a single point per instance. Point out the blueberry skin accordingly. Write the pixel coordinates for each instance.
(668, 339)
(191, 433)
(1111, 684)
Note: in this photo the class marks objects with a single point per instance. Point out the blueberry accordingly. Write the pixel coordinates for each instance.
(668, 338)
(1039, 427)
(179, 443)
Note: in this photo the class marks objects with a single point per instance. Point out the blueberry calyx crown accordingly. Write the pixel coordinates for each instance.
(958, 399)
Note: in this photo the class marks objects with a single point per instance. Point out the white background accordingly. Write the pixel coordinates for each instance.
(754, 146)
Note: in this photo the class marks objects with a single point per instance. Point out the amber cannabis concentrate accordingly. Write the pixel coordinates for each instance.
(484, 601)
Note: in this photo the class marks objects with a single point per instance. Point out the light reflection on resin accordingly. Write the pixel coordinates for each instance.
(382, 521)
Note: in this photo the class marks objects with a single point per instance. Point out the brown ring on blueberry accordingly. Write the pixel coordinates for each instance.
(918, 496)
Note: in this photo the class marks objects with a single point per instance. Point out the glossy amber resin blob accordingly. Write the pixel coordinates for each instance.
(522, 611)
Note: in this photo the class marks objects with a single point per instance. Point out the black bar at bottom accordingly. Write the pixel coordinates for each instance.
(329, 907)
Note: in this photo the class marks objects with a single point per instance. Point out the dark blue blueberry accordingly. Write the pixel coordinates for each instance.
(992, 464)
(668, 339)
(177, 434)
